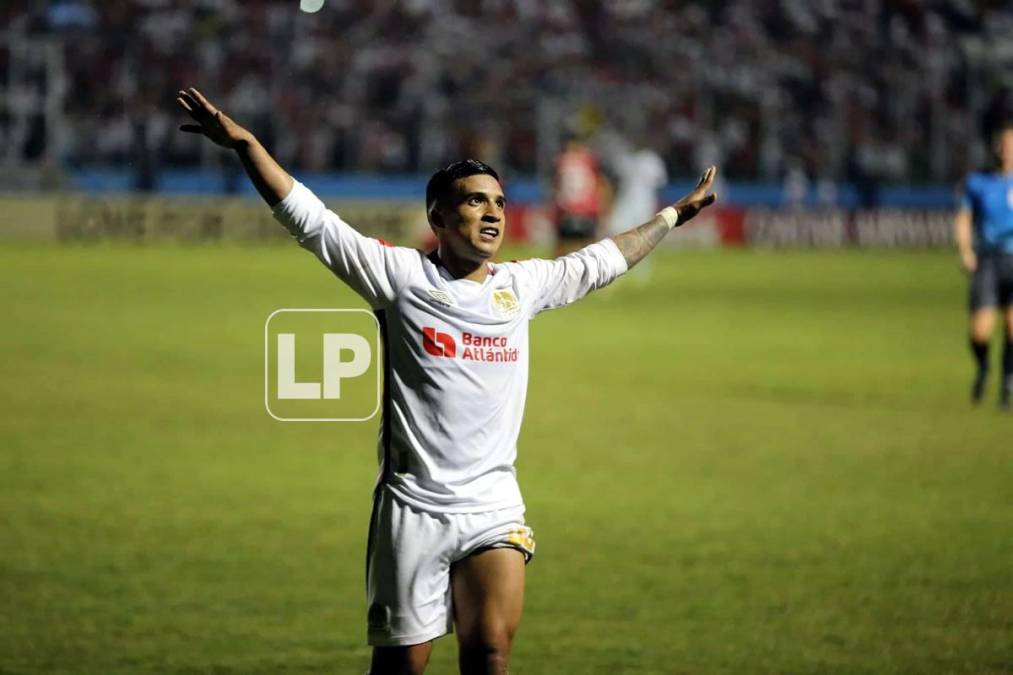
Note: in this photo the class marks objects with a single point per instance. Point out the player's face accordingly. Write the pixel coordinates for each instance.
(475, 219)
(1004, 147)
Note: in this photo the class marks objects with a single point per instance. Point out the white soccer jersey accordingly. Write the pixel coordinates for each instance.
(455, 353)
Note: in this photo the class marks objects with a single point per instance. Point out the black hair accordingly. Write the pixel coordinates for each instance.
(439, 186)
(998, 113)
(1002, 126)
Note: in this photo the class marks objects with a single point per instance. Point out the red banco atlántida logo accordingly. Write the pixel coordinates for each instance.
(438, 344)
(473, 347)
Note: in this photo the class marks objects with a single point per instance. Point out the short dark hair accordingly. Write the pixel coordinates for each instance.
(439, 186)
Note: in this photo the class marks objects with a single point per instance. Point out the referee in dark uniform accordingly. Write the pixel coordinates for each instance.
(984, 233)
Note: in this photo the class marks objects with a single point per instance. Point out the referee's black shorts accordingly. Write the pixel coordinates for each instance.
(573, 226)
(992, 281)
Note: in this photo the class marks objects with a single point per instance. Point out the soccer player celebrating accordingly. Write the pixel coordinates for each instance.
(984, 233)
(447, 539)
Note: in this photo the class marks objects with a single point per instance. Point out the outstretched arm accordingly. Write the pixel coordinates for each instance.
(635, 244)
(272, 182)
(373, 269)
(570, 277)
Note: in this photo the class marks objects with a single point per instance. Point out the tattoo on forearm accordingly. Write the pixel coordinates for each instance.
(635, 244)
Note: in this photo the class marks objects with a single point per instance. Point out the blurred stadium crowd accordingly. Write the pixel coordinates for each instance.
(860, 90)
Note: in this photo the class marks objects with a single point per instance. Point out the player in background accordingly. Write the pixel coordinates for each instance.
(984, 234)
(640, 173)
(447, 543)
(579, 194)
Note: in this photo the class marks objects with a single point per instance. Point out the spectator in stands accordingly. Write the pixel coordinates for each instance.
(756, 81)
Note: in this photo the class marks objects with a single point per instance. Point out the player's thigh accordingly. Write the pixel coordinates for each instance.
(410, 660)
(982, 323)
(488, 595)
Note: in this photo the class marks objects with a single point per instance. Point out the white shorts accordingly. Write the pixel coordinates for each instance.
(408, 559)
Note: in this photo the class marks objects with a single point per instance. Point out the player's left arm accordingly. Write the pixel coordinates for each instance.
(635, 244)
(568, 278)
(371, 267)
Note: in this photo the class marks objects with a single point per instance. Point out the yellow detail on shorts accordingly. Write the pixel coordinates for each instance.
(522, 537)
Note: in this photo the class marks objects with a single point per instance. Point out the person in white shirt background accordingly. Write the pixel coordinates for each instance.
(639, 173)
(447, 539)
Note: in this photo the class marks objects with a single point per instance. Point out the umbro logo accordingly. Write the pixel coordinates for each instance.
(440, 297)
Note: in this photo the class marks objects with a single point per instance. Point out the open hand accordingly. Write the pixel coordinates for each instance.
(698, 199)
(211, 121)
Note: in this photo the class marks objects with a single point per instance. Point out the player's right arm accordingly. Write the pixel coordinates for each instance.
(963, 231)
(272, 182)
(370, 267)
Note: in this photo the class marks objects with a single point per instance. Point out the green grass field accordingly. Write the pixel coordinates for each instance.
(758, 463)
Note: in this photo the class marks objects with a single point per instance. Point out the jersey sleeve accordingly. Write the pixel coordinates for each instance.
(559, 282)
(372, 268)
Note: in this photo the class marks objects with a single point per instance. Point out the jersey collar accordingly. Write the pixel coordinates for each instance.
(434, 258)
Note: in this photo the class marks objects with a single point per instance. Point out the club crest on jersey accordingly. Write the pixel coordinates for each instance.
(505, 303)
(440, 297)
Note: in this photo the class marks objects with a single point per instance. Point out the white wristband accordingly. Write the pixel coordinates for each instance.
(670, 215)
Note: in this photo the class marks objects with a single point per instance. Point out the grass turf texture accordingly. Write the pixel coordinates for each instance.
(759, 462)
